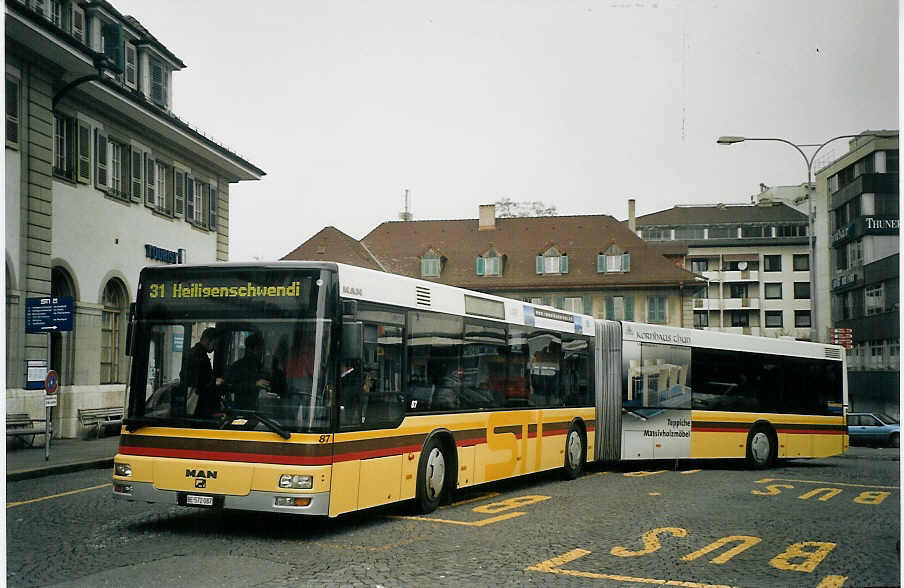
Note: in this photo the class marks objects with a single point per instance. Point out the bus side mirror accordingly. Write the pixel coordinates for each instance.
(352, 340)
(130, 329)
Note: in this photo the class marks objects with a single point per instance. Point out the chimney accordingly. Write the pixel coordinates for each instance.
(632, 222)
(487, 217)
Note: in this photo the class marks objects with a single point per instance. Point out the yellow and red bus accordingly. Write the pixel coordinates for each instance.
(321, 388)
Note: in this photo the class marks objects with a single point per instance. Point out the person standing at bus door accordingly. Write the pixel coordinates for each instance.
(246, 376)
(203, 396)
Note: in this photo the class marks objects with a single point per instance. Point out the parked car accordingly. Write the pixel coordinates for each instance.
(873, 428)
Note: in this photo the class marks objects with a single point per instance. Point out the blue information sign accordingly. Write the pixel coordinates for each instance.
(48, 315)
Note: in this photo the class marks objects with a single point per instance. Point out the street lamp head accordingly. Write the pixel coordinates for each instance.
(728, 140)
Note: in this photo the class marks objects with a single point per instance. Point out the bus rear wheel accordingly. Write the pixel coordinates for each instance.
(431, 476)
(761, 447)
(575, 455)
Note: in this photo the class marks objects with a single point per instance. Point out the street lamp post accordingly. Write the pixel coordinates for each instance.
(731, 140)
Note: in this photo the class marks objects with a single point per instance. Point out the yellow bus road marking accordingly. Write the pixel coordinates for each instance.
(642, 474)
(686, 472)
(33, 500)
(486, 496)
(832, 582)
(553, 566)
(767, 480)
(480, 523)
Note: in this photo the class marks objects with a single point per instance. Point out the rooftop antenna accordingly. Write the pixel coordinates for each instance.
(406, 215)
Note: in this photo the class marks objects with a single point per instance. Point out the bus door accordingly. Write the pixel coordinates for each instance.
(608, 378)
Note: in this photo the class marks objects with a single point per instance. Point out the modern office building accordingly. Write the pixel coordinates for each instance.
(102, 178)
(860, 191)
(587, 264)
(754, 258)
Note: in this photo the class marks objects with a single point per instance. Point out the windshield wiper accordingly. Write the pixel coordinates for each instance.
(274, 426)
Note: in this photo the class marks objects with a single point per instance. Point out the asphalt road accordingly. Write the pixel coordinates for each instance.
(827, 522)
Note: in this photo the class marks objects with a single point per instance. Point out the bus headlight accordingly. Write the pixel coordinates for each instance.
(296, 482)
(122, 469)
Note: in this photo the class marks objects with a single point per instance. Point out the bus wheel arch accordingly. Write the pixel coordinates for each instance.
(762, 445)
(575, 450)
(436, 471)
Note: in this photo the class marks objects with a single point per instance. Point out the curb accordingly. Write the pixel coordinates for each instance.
(64, 468)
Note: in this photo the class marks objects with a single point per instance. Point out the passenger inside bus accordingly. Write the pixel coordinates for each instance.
(202, 394)
(246, 377)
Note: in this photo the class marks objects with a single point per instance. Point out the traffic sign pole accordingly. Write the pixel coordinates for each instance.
(51, 385)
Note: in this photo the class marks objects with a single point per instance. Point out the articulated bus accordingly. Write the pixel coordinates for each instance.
(321, 388)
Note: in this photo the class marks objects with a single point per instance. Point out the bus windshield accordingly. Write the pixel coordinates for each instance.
(217, 367)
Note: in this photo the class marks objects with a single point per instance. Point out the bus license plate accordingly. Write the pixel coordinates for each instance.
(193, 500)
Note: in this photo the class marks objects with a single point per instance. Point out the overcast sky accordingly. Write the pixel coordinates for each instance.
(579, 104)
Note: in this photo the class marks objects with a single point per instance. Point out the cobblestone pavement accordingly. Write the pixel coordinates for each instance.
(827, 522)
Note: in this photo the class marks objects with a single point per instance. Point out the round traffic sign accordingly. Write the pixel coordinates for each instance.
(51, 382)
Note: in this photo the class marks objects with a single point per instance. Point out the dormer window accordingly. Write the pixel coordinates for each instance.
(613, 260)
(431, 264)
(490, 263)
(158, 77)
(552, 261)
(131, 66)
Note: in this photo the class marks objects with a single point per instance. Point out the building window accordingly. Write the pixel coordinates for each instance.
(12, 112)
(158, 82)
(689, 233)
(740, 318)
(772, 291)
(574, 304)
(738, 290)
(855, 253)
(620, 308)
(164, 197)
(877, 354)
(772, 263)
(111, 333)
(875, 299)
(893, 347)
(117, 163)
(801, 262)
(613, 261)
(801, 318)
(753, 232)
(723, 232)
(801, 290)
(774, 318)
(64, 146)
(791, 231)
(552, 262)
(198, 217)
(699, 265)
(655, 235)
(131, 68)
(78, 23)
(657, 309)
(841, 258)
(701, 319)
(489, 264)
(430, 264)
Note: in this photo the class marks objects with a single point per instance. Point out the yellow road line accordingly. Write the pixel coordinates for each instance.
(552, 566)
(767, 480)
(486, 496)
(33, 500)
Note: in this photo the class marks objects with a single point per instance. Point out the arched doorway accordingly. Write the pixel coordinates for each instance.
(61, 350)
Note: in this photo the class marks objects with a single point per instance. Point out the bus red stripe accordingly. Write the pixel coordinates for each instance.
(226, 456)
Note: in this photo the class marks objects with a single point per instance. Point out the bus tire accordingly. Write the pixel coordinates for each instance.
(762, 446)
(575, 453)
(432, 470)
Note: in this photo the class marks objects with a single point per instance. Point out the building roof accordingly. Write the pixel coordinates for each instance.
(398, 246)
(331, 244)
(722, 214)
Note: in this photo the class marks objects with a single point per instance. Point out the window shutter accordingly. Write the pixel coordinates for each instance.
(131, 64)
(100, 158)
(481, 264)
(112, 38)
(545, 301)
(84, 153)
(610, 308)
(137, 165)
(158, 95)
(651, 309)
(213, 209)
(559, 302)
(563, 264)
(179, 191)
(600, 263)
(189, 199)
(629, 308)
(150, 191)
(588, 305)
(626, 262)
(539, 264)
(71, 149)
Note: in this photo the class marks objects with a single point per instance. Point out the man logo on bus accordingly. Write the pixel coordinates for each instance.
(352, 291)
(212, 474)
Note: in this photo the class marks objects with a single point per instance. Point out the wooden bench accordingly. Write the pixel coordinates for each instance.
(19, 424)
(100, 418)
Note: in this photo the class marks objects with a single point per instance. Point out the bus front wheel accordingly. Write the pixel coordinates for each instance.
(574, 453)
(431, 476)
(761, 447)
